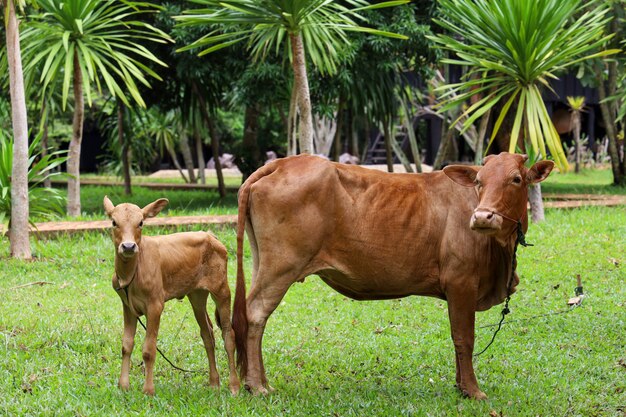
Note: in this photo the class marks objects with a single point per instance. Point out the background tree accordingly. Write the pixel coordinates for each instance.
(18, 230)
(513, 48)
(313, 28)
(88, 42)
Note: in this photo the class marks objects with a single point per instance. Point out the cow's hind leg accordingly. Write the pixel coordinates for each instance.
(198, 302)
(221, 297)
(264, 297)
(462, 315)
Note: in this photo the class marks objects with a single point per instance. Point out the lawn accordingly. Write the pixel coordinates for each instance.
(325, 354)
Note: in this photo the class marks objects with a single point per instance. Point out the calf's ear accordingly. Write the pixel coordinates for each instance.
(462, 174)
(154, 208)
(108, 206)
(539, 172)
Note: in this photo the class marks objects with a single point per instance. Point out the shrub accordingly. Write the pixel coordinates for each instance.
(43, 202)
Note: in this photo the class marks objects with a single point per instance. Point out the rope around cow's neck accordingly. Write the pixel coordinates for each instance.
(520, 240)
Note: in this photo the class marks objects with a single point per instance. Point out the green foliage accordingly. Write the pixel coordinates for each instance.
(103, 36)
(322, 24)
(44, 203)
(513, 48)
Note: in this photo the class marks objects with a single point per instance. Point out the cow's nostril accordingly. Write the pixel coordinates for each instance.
(489, 216)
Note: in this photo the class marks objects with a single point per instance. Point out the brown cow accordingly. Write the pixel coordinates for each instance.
(372, 235)
(150, 270)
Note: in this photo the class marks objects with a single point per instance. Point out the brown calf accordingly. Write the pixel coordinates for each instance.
(150, 270)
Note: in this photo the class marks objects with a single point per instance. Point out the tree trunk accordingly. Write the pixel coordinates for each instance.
(200, 155)
(124, 148)
(18, 229)
(215, 141)
(44, 142)
(443, 153)
(610, 121)
(177, 164)
(536, 203)
(292, 124)
(577, 150)
(187, 158)
(480, 138)
(388, 147)
(215, 150)
(250, 160)
(301, 84)
(73, 161)
(337, 148)
(408, 125)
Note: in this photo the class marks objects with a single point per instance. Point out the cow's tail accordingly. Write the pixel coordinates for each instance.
(240, 314)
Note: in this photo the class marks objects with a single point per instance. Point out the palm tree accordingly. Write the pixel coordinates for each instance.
(513, 48)
(313, 28)
(87, 42)
(18, 233)
(576, 106)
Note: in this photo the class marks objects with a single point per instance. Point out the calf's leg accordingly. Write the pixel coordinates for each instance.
(461, 310)
(198, 302)
(128, 342)
(153, 319)
(222, 302)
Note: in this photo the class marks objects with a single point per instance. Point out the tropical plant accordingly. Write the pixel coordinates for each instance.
(513, 48)
(44, 202)
(576, 106)
(313, 28)
(88, 42)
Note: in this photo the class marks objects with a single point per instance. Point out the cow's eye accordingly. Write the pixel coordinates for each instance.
(141, 223)
(478, 183)
(517, 180)
(114, 224)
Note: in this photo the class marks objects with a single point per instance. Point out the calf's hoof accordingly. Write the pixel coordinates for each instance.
(148, 390)
(234, 389)
(124, 386)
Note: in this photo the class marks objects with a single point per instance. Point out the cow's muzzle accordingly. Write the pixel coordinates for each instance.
(128, 249)
(486, 221)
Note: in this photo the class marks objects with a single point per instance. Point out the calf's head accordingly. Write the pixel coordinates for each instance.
(127, 221)
(502, 186)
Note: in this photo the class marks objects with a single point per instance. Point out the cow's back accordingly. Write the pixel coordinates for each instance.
(368, 234)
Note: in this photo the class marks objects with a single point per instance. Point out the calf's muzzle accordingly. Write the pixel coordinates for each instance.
(128, 248)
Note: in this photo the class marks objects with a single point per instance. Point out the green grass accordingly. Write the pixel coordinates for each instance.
(325, 354)
(588, 181)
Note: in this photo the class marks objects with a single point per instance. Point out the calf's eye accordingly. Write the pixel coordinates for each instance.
(517, 180)
(114, 224)
(141, 223)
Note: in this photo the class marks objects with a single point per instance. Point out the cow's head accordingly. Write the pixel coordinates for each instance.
(127, 221)
(502, 185)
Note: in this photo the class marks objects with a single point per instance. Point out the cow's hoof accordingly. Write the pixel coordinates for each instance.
(475, 394)
(149, 391)
(215, 384)
(124, 386)
(234, 389)
(257, 389)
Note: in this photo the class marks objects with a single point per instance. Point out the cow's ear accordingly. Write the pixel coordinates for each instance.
(108, 206)
(462, 174)
(539, 172)
(155, 207)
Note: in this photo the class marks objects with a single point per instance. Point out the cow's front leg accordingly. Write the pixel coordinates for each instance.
(461, 309)
(128, 342)
(153, 318)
